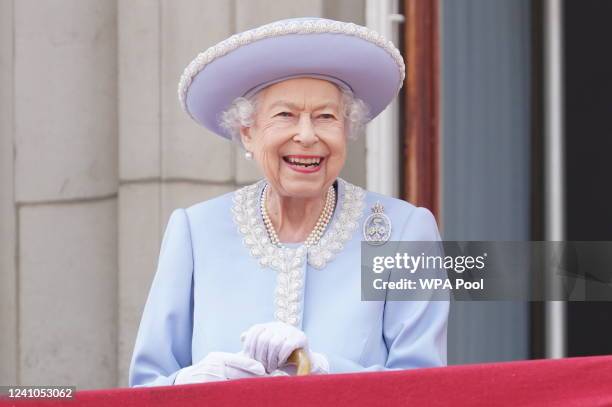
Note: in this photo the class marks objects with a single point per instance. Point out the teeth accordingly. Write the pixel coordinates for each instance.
(304, 161)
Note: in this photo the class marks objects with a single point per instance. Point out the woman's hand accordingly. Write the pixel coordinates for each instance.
(272, 343)
(218, 366)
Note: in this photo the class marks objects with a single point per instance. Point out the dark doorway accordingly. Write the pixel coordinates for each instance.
(588, 127)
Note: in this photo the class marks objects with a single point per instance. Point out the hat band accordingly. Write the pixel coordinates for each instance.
(341, 84)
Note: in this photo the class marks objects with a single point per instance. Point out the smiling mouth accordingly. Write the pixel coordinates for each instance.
(304, 161)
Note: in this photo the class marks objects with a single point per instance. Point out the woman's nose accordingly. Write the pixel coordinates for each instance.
(306, 134)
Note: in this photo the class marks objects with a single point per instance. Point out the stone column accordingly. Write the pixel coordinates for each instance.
(8, 209)
(65, 191)
(196, 165)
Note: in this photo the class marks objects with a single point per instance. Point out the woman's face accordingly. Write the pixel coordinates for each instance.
(298, 136)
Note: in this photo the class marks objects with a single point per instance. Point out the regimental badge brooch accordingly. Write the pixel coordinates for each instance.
(377, 226)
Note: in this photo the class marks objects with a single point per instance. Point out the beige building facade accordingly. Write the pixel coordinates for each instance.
(95, 153)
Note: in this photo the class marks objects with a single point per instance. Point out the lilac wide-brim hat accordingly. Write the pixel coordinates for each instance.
(347, 54)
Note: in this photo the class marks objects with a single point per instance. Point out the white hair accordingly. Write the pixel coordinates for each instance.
(241, 113)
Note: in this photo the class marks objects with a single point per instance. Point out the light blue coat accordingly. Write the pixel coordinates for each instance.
(210, 286)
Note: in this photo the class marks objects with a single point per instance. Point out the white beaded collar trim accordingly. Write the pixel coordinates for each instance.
(288, 261)
(278, 28)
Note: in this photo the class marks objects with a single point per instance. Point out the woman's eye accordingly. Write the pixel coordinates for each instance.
(327, 116)
(283, 114)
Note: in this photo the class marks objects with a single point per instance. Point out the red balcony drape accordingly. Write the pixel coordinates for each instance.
(585, 381)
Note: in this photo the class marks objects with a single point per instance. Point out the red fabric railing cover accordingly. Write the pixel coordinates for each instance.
(583, 381)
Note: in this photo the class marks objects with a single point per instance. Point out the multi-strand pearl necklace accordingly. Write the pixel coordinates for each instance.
(316, 234)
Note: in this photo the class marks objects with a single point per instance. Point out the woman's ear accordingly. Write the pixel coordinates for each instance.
(246, 138)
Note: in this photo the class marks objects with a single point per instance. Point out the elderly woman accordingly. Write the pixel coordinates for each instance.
(247, 278)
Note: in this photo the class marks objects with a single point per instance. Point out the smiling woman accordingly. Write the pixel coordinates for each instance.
(249, 277)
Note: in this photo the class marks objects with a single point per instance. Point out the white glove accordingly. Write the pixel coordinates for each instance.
(218, 366)
(272, 343)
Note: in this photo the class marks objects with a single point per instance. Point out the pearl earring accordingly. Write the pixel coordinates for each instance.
(248, 155)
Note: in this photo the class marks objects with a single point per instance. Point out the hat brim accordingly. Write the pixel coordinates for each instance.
(368, 69)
